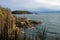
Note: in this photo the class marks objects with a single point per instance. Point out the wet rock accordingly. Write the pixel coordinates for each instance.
(35, 22)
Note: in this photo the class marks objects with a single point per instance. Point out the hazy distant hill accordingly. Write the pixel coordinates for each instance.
(51, 12)
(46, 11)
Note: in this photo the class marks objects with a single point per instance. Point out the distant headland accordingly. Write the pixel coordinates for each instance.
(21, 12)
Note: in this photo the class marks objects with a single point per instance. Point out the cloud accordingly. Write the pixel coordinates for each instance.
(31, 4)
(52, 4)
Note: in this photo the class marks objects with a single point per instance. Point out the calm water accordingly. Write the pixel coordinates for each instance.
(52, 21)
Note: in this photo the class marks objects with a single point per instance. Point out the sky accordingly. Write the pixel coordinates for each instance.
(31, 4)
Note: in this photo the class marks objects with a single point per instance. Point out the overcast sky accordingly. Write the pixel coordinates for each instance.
(31, 4)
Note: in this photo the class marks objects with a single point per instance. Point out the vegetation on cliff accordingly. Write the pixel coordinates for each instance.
(8, 28)
(21, 12)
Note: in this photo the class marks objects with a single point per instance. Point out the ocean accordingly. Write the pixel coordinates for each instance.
(50, 20)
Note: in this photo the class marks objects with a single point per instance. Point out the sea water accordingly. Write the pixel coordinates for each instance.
(51, 20)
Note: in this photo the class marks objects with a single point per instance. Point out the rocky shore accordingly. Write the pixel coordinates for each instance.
(21, 22)
(10, 25)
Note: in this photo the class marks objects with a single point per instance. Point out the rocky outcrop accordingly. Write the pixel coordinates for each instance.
(23, 22)
(21, 12)
(35, 22)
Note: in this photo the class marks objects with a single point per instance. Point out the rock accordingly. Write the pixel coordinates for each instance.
(35, 22)
(23, 22)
